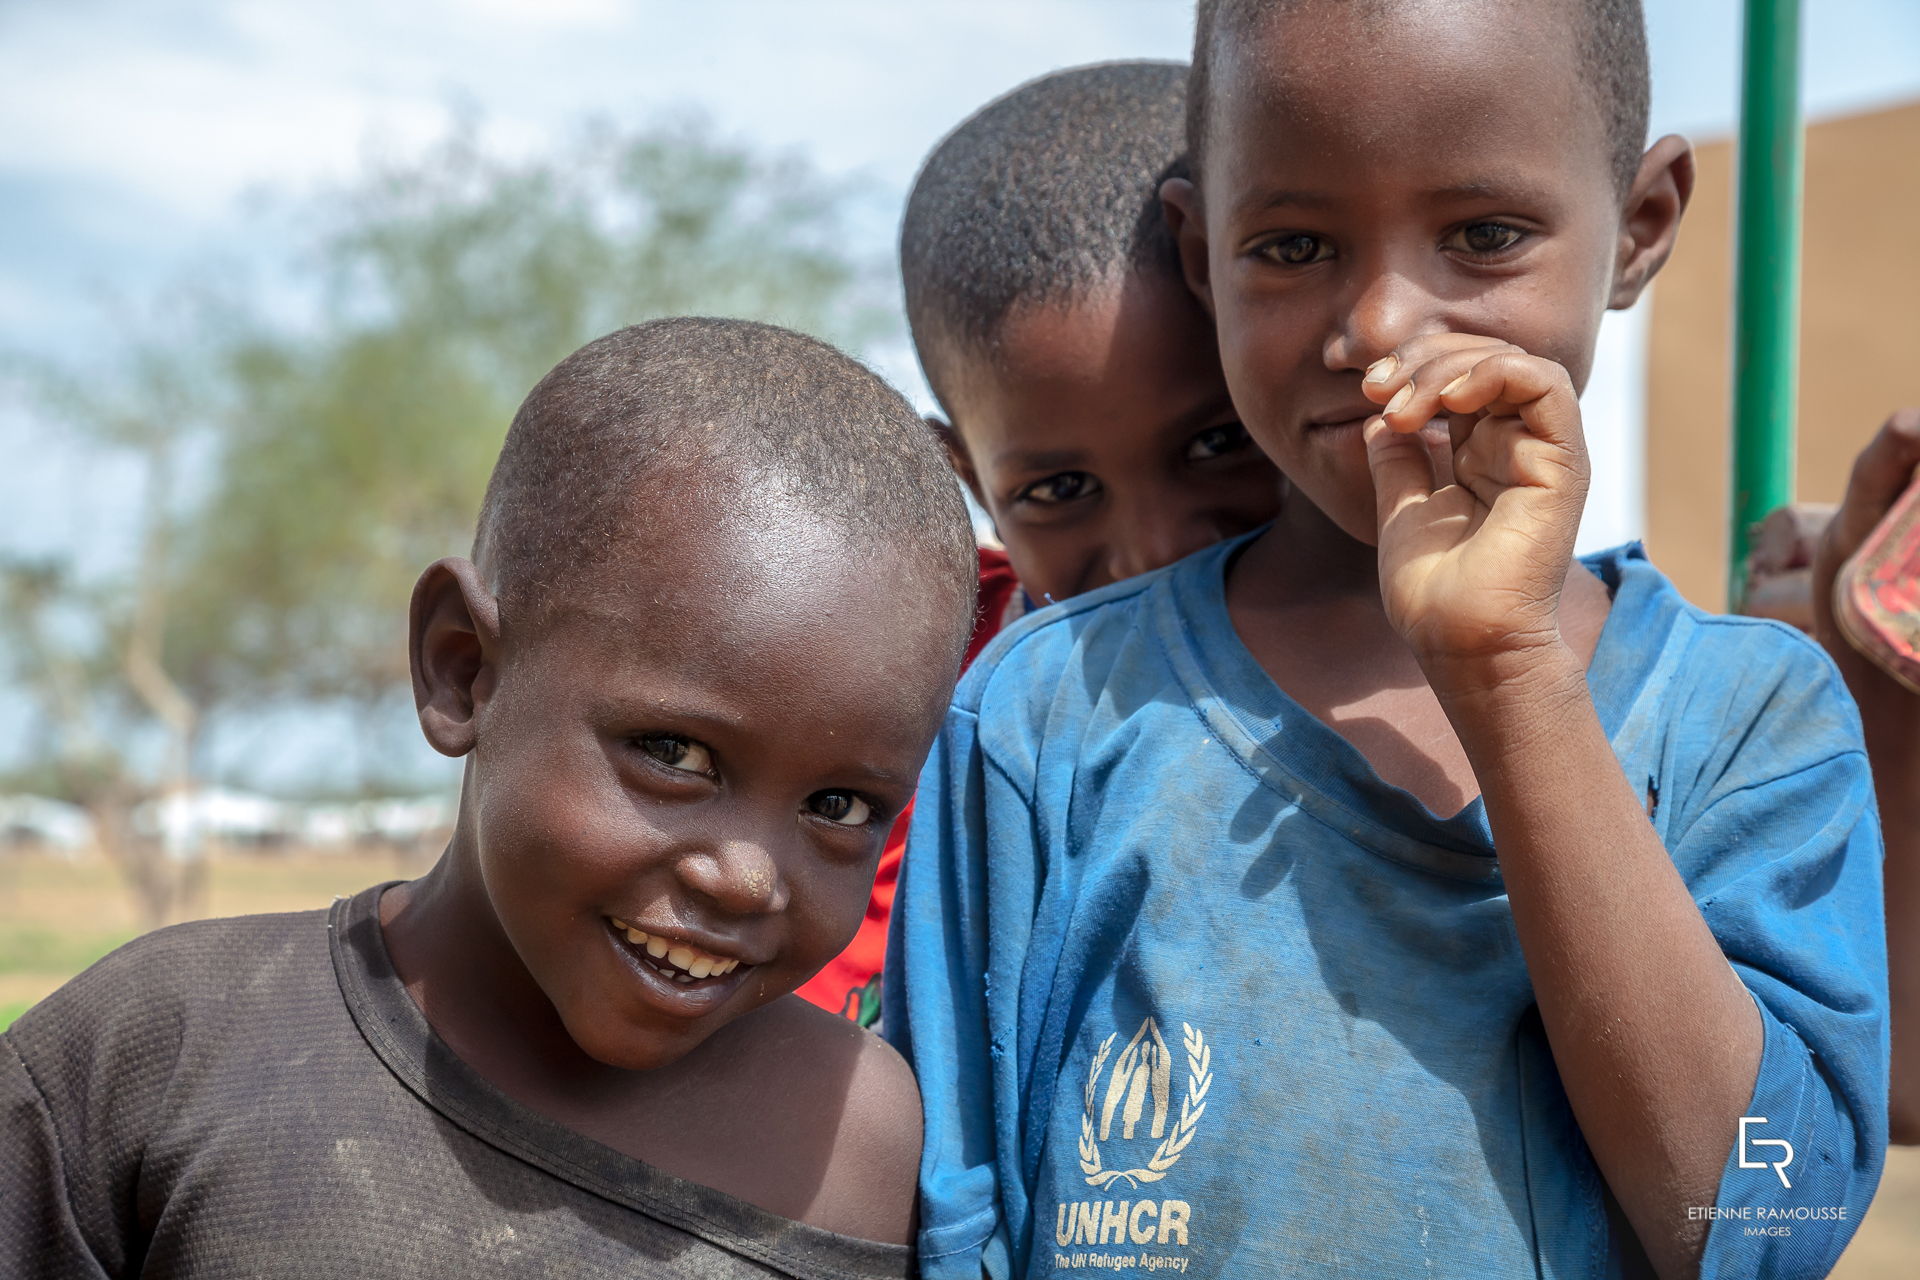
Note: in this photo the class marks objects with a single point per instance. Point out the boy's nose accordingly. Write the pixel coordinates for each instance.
(1154, 539)
(740, 877)
(1379, 309)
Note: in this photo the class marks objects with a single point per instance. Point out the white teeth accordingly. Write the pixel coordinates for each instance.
(693, 965)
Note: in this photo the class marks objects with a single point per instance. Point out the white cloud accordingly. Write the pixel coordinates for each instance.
(566, 14)
(185, 106)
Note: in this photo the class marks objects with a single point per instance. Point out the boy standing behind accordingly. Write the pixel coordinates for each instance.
(1084, 402)
(1208, 962)
(715, 605)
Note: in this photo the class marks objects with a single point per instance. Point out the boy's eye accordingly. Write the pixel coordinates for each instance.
(1215, 441)
(676, 752)
(1297, 250)
(1486, 238)
(843, 807)
(1067, 486)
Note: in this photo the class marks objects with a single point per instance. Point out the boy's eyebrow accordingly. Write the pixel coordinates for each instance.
(1202, 415)
(883, 777)
(1499, 187)
(1477, 189)
(1039, 459)
(635, 708)
(1286, 198)
(1052, 459)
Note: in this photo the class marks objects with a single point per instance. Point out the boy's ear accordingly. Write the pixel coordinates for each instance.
(1180, 203)
(453, 645)
(1650, 219)
(958, 456)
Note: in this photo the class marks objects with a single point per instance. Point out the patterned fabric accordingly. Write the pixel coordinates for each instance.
(1877, 595)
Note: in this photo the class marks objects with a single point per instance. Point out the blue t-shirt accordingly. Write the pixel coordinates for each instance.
(1190, 989)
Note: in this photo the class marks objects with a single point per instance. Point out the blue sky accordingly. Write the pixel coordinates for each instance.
(133, 131)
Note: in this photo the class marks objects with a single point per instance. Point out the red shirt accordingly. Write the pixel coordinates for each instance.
(850, 984)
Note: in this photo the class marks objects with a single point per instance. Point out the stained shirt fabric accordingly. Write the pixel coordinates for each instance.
(1190, 989)
(259, 1097)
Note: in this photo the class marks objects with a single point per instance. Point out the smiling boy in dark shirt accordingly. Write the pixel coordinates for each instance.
(692, 692)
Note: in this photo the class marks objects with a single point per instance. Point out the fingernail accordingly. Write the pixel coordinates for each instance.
(1399, 400)
(1382, 369)
(1454, 386)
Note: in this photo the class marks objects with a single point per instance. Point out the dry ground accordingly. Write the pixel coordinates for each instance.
(58, 917)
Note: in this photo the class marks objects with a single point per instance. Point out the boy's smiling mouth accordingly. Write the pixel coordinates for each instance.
(679, 961)
(680, 977)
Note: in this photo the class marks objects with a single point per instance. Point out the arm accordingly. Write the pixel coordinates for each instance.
(40, 1233)
(1670, 1020)
(1890, 714)
(941, 1011)
(1657, 1040)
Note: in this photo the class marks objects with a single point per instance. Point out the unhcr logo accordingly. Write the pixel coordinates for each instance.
(1139, 1088)
(1144, 1064)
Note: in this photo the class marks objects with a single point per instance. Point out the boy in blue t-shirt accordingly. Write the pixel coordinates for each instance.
(1203, 955)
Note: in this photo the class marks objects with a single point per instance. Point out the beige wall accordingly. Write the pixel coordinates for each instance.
(1859, 335)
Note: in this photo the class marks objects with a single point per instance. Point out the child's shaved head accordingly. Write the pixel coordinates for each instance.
(623, 431)
(1042, 197)
(1610, 38)
(721, 587)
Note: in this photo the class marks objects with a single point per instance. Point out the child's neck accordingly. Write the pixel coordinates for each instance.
(713, 1116)
(1305, 558)
(1305, 600)
(464, 975)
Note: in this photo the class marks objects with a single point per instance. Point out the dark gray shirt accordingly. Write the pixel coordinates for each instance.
(259, 1097)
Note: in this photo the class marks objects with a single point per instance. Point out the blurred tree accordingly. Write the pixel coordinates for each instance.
(354, 451)
(301, 472)
(92, 654)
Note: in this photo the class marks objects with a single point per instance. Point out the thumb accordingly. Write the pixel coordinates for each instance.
(1881, 473)
(1402, 469)
(1885, 467)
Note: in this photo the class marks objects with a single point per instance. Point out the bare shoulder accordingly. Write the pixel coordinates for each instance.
(867, 1106)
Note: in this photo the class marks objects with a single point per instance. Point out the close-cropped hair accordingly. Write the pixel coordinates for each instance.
(608, 439)
(1043, 196)
(1611, 39)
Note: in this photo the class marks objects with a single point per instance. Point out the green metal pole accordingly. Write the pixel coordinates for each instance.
(1767, 302)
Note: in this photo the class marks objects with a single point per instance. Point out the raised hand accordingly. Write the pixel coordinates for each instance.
(1882, 472)
(1476, 529)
